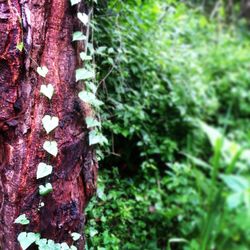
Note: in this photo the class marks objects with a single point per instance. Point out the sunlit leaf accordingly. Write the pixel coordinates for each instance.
(84, 74)
(22, 219)
(89, 98)
(27, 239)
(73, 2)
(43, 170)
(78, 36)
(51, 147)
(44, 190)
(50, 123)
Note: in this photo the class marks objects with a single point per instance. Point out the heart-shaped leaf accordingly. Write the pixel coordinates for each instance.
(44, 190)
(75, 236)
(64, 246)
(96, 137)
(51, 147)
(42, 71)
(89, 98)
(85, 57)
(91, 86)
(83, 18)
(50, 123)
(48, 244)
(43, 170)
(22, 219)
(84, 74)
(78, 36)
(27, 239)
(20, 46)
(47, 90)
(92, 122)
(73, 2)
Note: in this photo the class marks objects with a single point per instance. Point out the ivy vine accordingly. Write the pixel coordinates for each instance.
(50, 123)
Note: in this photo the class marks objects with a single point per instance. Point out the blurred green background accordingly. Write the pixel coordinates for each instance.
(175, 80)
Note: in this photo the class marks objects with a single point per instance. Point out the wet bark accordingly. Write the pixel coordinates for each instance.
(47, 27)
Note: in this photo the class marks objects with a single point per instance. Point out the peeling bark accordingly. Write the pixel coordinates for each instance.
(47, 27)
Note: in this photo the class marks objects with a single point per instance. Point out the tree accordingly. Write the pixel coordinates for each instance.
(245, 9)
(45, 28)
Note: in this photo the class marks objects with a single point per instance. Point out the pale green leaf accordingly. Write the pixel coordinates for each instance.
(78, 36)
(85, 57)
(44, 190)
(43, 170)
(22, 219)
(27, 239)
(92, 122)
(50, 123)
(83, 18)
(47, 90)
(73, 2)
(236, 183)
(64, 246)
(84, 74)
(100, 50)
(75, 236)
(51, 147)
(89, 98)
(42, 71)
(91, 86)
(95, 137)
(92, 232)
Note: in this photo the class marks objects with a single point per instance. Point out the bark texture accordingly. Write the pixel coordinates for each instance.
(47, 27)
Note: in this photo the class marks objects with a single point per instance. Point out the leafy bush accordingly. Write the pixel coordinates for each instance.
(165, 66)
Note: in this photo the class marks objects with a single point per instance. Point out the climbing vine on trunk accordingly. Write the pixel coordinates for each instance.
(47, 123)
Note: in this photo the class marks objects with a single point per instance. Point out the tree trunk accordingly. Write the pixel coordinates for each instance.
(46, 29)
(245, 9)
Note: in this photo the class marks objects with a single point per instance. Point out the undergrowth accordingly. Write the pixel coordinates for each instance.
(174, 76)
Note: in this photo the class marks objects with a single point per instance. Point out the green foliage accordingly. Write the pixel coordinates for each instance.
(51, 147)
(175, 76)
(44, 190)
(22, 219)
(43, 170)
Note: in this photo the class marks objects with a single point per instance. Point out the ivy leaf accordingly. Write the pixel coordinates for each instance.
(44, 190)
(75, 236)
(85, 57)
(78, 36)
(27, 239)
(91, 86)
(47, 90)
(42, 71)
(83, 18)
(84, 74)
(73, 2)
(64, 246)
(43, 170)
(100, 50)
(50, 123)
(20, 46)
(92, 122)
(22, 219)
(48, 245)
(89, 98)
(51, 147)
(95, 137)
(92, 232)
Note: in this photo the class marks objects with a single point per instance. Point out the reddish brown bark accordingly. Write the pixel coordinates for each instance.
(47, 27)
